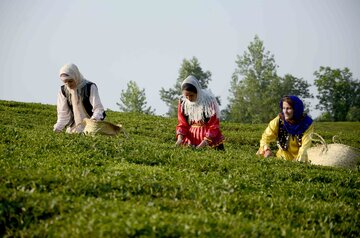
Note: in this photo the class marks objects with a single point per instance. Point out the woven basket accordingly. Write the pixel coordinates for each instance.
(335, 155)
(92, 127)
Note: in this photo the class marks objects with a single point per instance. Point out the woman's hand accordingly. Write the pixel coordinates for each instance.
(95, 118)
(267, 153)
(57, 130)
(179, 140)
(203, 144)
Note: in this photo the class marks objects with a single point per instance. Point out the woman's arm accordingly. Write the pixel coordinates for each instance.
(63, 112)
(98, 109)
(270, 135)
(213, 128)
(182, 127)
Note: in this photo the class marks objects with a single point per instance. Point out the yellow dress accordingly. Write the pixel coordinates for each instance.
(294, 152)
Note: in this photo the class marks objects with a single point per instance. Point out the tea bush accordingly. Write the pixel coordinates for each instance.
(63, 185)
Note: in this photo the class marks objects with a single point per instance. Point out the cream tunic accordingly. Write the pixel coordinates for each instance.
(64, 112)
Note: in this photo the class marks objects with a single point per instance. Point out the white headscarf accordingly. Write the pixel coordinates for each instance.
(73, 73)
(205, 104)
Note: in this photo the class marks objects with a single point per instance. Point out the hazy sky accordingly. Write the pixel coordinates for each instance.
(113, 42)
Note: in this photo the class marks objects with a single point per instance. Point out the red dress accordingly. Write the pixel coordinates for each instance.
(195, 132)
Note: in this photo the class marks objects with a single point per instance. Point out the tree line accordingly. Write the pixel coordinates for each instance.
(256, 88)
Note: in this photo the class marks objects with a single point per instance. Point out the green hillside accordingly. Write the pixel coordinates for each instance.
(62, 185)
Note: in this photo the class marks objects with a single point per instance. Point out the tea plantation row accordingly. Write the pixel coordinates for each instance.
(63, 185)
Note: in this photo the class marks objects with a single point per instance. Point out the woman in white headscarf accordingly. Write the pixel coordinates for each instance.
(198, 117)
(77, 99)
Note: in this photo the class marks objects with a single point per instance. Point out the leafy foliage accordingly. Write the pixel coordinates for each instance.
(61, 185)
(255, 97)
(188, 67)
(134, 100)
(339, 94)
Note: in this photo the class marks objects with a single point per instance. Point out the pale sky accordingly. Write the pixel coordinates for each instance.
(115, 41)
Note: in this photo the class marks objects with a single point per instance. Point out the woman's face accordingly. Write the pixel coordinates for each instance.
(70, 83)
(191, 96)
(288, 111)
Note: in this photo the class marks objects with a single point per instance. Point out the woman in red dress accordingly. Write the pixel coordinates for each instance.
(198, 117)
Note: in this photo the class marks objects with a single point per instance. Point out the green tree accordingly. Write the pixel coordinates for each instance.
(256, 88)
(134, 100)
(188, 67)
(339, 94)
(291, 85)
(353, 114)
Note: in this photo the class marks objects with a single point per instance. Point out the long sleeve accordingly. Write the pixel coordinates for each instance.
(213, 128)
(98, 109)
(270, 134)
(306, 143)
(63, 112)
(182, 127)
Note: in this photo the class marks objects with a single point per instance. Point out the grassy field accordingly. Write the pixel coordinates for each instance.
(62, 185)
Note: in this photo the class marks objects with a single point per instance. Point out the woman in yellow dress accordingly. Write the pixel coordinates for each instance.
(291, 130)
